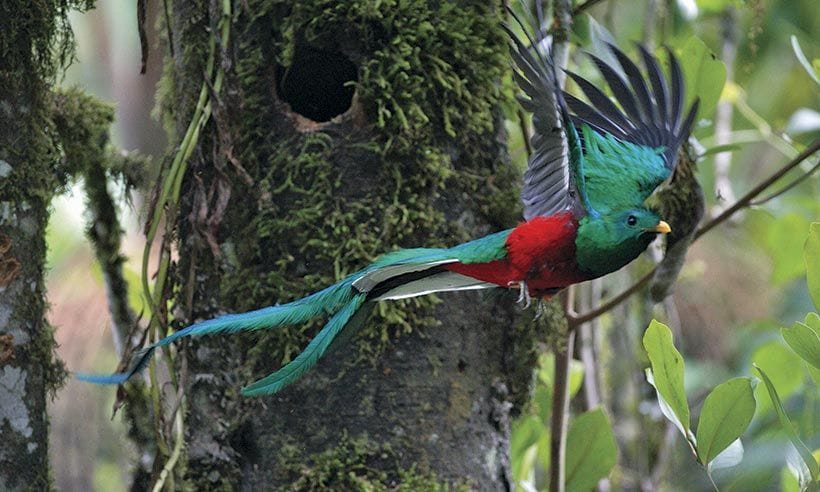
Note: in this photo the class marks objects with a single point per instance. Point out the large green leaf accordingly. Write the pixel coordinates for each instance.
(801, 57)
(546, 373)
(786, 424)
(667, 372)
(731, 456)
(704, 75)
(784, 246)
(525, 436)
(804, 339)
(811, 252)
(783, 367)
(591, 450)
(726, 413)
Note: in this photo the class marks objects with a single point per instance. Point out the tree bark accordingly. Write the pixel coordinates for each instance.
(29, 177)
(276, 205)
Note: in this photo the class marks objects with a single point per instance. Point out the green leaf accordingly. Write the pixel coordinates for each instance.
(725, 415)
(804, 340)
(780, 364)
(811, 253)
(718, 149)
(801, 57)
(591, 450)
(786, 424)
(667, 372)
(546, 373)
(786, 253)
(729, 457)
(526, 433)
(704, 75)
(788, 481)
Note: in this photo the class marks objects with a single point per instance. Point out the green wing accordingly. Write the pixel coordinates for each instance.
(630, 147)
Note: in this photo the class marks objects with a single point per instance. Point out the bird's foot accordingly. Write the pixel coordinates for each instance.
(524, 292)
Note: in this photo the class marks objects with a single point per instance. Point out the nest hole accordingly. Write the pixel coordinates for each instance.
(318, 84)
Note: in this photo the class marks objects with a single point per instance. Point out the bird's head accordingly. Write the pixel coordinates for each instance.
(609, 241)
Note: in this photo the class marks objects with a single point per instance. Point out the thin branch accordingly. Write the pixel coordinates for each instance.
(588, 349)
(562, 12)
(560, 415)
(576, 321)
(724, 111)
(745, 201)
(141, 15)
(584, 6)
(786, 188)
(105, 233)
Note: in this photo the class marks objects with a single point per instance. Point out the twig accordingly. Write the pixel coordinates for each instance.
(560, 415)
(169, 30)
(562, 12)
(576, 321)
(584, 6)
(745, 201)
(723, 114)
(168, 469)
(105, 233)
(786, 188)
(141, 15)
(588, 347)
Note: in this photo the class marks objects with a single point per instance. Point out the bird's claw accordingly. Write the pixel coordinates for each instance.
(524, 292)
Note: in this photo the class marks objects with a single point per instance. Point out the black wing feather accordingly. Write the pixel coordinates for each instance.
(548, 182)
(654, 118)
(598, 99)
(658, 81)
(619, 88)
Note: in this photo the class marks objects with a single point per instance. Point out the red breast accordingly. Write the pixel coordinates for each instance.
(540, 251)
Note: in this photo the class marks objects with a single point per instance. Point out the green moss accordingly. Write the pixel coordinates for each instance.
(36, 43)
(357, 464)
(422, 171)
(428, 83)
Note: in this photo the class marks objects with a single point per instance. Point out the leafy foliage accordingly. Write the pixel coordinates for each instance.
(742, 284)
(704, 75)
(591, 450)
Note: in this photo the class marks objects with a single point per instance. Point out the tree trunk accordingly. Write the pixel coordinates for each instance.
(29, 37)
(299, 180)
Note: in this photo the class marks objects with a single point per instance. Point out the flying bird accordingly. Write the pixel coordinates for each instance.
(594, 164)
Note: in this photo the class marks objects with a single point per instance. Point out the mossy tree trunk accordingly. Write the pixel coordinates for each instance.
(298, 180)
(34, 43)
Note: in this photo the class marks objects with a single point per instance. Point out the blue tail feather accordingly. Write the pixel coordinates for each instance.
(327, 301)
(309, 356)
(341, 301)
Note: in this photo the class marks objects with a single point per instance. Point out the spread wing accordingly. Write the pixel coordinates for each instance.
(554, 168)
(648, 122)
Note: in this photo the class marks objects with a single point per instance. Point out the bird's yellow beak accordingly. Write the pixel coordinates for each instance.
(661, 228)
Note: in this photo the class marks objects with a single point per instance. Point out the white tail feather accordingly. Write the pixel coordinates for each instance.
(440, 282)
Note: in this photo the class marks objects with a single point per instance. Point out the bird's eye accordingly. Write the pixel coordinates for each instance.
(632, 220)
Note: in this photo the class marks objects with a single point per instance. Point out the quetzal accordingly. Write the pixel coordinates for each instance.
(592, 167)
